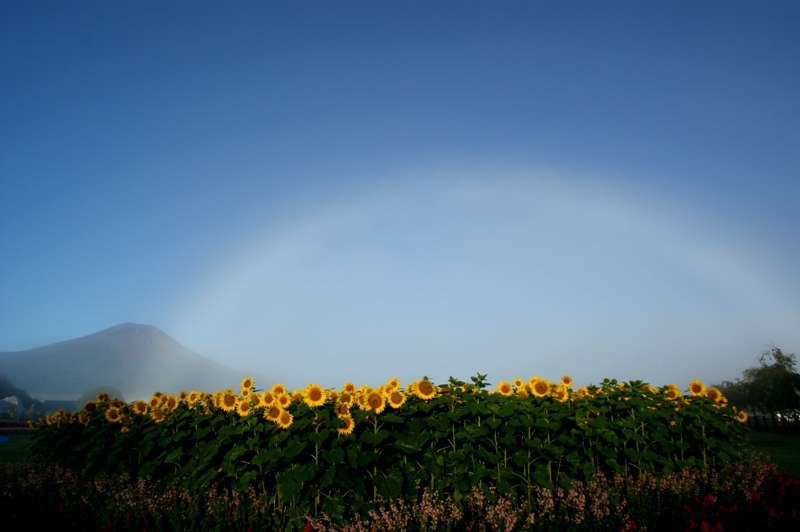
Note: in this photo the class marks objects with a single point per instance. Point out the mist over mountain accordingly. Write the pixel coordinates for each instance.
(135, 359)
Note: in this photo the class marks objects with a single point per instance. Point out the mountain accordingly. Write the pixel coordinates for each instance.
(135, 359)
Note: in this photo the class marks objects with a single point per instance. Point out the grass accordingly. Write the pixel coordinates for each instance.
(16, 449)
(783, 449)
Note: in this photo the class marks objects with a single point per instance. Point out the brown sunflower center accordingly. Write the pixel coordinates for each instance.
(374, 401)
(425, 388)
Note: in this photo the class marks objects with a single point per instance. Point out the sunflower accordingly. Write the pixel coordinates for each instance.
(581, 393)
(697, 388)
(170, 402)
(672, 393)
(154, 402)
(523, 393)
(348, 427)
(103, 397)
(91, 406)
(247, 383)
(519, 383)
(314, 395)
(741, 415)
(273, 413)
(396, 399)
(243, 407)
(283, 401)
(350, 388)
(540, 387)
(278, 389)
(376, 402)
(193, 397)
(333, 395)
(504, 388)
(425, 390)
(245, 392)
(566, 380)
(561, 393)
(341, 409)
(267, 398)
(255, 399)
(83, 419)
(285, 420)
(361, 401)
(228, 400)
(113, 414)
(382, 390)
(392, 384)
(157, 415)
(184, 395)
(139, 407)
(345, 398)
(714, 394)
(297, 396)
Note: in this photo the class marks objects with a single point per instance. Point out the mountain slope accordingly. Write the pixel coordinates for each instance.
(135, 359)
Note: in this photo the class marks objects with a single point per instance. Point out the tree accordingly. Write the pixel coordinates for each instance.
(772, 387)
(7, 389)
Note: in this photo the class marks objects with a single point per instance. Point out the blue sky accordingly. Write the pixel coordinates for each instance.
(333, 191)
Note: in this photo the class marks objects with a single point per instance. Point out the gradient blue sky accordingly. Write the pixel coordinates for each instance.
(333, 191)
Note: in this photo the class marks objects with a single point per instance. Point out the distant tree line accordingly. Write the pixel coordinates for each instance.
(33, 409)
(771, 388)
(7, 389)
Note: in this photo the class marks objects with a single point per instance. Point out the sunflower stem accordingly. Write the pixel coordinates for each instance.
(375, 465)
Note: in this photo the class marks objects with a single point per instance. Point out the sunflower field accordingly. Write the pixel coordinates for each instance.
(319, 453)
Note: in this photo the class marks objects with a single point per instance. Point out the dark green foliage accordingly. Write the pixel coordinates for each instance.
(449, 445)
